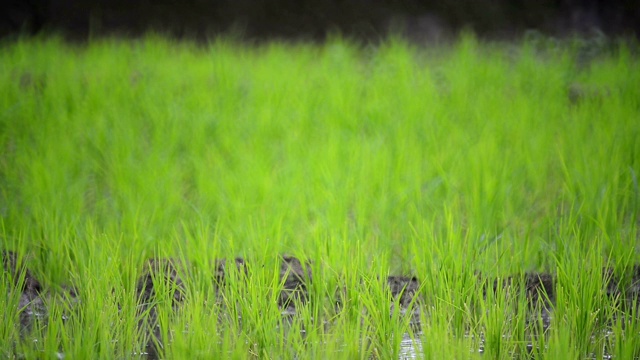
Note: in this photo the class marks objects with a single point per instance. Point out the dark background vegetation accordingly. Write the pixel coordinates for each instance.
(260, 19)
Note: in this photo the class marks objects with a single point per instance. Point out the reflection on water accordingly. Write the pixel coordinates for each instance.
(410, 348)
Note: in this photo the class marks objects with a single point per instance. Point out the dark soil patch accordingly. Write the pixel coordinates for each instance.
(161, 273)
(295, 277)
(161, 280)
(222, 271)
(403, 289)
(580, 93)
(539, 288)
(19, 276)
(20, 279)
(625, 288)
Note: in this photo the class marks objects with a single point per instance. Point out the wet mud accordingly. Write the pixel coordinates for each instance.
(295, 277)
(162, 283)
(161, 270)
(222, 269)
(161, 279)
(20, 279)
(403, 289)
(32, 296)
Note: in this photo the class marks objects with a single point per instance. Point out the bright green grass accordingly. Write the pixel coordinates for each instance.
(368, 161)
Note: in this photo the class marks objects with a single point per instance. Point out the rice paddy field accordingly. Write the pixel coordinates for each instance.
(288, 200)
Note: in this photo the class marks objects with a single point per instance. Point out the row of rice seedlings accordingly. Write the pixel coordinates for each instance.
(244, 319)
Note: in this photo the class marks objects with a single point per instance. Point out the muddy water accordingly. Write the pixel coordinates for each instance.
(410, 348)
(295, 276)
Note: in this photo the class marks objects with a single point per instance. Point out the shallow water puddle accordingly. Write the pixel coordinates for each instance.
(410, 348)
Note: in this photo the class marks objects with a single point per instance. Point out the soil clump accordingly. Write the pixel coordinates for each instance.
(32, 297)
(222, 271)
(160, 280)
(296, 279)
(21, 279)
